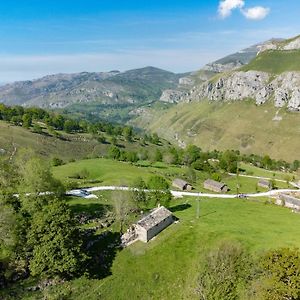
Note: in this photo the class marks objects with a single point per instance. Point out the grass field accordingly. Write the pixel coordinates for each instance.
(223, 126)
(109, 172)
(275, 62)
(168, 266)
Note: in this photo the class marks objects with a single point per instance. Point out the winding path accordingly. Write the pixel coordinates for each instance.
(177, 193)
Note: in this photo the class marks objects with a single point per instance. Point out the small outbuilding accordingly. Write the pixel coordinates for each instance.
(215, 186)
(181, 185)
(264, 183)
(149, 226)
(288, 201)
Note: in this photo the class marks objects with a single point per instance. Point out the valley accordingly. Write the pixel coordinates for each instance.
(146, 183)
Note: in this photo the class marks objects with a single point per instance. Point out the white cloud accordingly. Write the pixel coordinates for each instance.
(256, 13)
(253, 13)
(227, 6)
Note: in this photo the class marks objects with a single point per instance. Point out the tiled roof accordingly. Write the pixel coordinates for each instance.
(155, 217)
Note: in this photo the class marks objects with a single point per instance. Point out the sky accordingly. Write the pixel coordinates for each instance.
(50, 36)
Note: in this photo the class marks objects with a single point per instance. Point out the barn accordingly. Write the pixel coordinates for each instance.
(215, 186)
(149, 226)
(181, 185)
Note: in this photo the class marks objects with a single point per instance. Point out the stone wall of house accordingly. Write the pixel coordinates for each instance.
(159, 227)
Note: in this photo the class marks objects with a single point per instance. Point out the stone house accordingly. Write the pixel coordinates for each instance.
(264, 183)
(288, 201)
(215, 186)
(181, 185)
(148, 227)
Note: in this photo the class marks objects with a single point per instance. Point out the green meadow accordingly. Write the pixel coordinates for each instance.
(168, 266)
(103, 171)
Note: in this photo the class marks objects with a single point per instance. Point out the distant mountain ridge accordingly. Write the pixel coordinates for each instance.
(273, 75)
(63, 90)
(228, 63)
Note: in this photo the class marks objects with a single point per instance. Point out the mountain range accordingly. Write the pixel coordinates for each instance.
(62, 90)
(248, 100)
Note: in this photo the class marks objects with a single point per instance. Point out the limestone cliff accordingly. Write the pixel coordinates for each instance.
(283, 90)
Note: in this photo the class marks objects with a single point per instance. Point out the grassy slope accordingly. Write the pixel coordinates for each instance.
(168, 266)
(109, 172)
(275, 62)
(73, 146)
(222, 126)
(45, 145)
(153, 270)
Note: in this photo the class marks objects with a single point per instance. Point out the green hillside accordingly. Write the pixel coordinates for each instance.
(275, 62)
(66, 147)
(236, 125)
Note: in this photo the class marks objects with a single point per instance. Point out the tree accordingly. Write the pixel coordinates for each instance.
(155, 139)
(158, 156)
(37, 129)
(55, 242)
(27, 120)
(191, 175)
(159, 191)
(157, 183)
(128, 133)
(192, 153)
(114, 152)
(138, 193)
(36, 178)
(9, 181)
(229, 161)
(225, 270)
(122, 207)
(7, 230)
(279, 276)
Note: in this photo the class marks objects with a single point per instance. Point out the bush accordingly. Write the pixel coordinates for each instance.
(83, 174)
(225, 272)
(57, 162)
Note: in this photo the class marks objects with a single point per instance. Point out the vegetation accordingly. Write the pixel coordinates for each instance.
(275, 62)
(185, 246)
(73, 244)
(241, 126)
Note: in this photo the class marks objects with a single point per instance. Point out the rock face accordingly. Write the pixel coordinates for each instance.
(284, 90)
(186, 81)
(171, 96)
(293, 44)
(220, 68)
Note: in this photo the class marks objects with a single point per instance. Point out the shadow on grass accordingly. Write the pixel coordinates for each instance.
(208, 214)
(180, 207)
(102, 252)
(91, 208)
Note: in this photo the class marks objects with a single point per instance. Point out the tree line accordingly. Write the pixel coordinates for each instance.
(194, 157)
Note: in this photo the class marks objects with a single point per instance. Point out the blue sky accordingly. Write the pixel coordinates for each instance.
(44, 37)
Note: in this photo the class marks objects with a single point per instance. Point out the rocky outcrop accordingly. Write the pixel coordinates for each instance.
(220, 68)
(294, 45)
(284, 89)
(287, 45)
(186, 81)
(171, 96)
